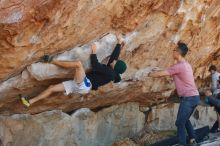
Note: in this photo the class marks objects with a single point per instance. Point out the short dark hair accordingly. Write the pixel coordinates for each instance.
(183, 49)
(212, 67)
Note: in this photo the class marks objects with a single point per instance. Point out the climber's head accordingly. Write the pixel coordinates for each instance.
(180, 51)
(119, 66)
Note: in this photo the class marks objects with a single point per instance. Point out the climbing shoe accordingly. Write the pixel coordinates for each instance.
(25, 101)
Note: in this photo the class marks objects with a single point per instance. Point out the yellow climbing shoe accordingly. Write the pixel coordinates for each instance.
(25, 101)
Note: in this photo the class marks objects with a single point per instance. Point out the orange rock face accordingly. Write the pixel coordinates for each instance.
(30, 29)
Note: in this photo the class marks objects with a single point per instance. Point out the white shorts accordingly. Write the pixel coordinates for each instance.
(72, 87)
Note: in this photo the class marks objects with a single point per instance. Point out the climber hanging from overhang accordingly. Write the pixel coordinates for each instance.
(82, 82)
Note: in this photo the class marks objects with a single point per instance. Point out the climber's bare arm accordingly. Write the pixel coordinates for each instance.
(67, 64)
(156, 74)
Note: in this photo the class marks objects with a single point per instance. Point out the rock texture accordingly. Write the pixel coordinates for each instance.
(65, 29)
(102, 128)
(82, 128)
(160, 124)
(213, 140)
(163, 117)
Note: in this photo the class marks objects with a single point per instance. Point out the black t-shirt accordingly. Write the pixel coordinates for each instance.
(102, 74)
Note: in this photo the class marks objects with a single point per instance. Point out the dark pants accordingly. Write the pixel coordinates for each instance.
(214, 127)
(186, 108)
(214, 101)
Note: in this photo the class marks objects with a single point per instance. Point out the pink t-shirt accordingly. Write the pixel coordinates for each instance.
(183, 78)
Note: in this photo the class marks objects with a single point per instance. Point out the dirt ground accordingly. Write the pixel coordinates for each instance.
(144, 138)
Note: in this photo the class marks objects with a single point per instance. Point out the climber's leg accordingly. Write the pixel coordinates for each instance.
(44, 94)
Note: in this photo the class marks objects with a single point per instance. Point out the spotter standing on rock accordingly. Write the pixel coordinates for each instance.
(187, 91)
(82, 82)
